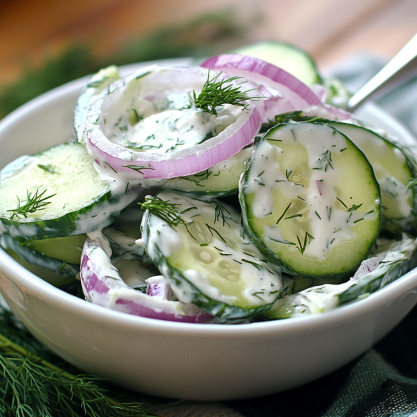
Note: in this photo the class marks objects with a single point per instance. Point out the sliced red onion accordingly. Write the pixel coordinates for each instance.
(103, 285)
(159, 287)
(284, 92)
(132, 165)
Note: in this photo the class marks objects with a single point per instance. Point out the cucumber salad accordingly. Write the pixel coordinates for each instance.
(235, 191)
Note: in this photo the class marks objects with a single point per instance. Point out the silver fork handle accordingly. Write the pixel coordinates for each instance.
(402, 67)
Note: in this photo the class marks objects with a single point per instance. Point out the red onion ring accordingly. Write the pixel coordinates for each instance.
(295, 94)
(133, 165)
(102, 285)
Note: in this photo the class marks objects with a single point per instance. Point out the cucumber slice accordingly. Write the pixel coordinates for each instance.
(66, 249)
(374, 273)
(393, 170)
(288, 57)
(220, 180)
(199, 249)
(310, 200)
(55, 271)
(59, 193)
(393, 167)
(96, 85)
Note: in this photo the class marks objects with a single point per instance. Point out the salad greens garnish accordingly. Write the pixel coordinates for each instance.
(217, 92)
(33, 383)
(34, 203)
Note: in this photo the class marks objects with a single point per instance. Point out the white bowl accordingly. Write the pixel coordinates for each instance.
(180, 360)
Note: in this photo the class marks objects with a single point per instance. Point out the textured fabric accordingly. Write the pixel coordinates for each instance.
(381, 383)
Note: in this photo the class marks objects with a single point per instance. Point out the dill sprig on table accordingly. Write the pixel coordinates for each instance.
(34, 203)
(32, 386)
(216, 93)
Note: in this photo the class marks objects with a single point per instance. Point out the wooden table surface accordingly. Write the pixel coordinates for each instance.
(329, 30)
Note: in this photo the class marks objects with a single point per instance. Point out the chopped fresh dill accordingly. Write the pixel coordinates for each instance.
(110, 167)
(341, 202)
(354, 207)
(220, 213)
(283, 214)
(326, 159)
(302, 246)
(329, 212)
(47, 168)
(217, 92)
(139, 168)
(211, 229)
(202, 176)
(33, 203)
(293, 216)
(256, 265)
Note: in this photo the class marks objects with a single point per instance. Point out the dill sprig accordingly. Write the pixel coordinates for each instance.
(216, 92)
(167, 211)
(33, 203)
(32, 386)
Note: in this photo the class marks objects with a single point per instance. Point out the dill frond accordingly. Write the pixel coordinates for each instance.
(33, 203)
(216, 93)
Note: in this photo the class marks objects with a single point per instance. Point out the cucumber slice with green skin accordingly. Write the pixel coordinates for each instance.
(374, 273)
(310, 200)
(68, 196)
(288, 57)
(64, 270)
(393, 170)
(393, 167)
(66, 249)
(95, 86)
(207, 260)
(220, 180)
